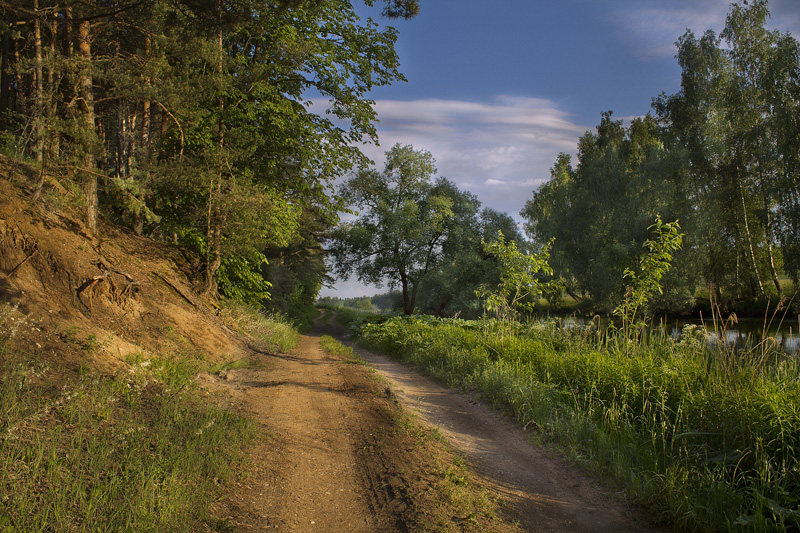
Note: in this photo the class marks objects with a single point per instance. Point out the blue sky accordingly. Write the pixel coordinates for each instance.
(496, 89)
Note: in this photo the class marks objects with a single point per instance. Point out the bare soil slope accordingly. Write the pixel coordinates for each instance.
(116, 293)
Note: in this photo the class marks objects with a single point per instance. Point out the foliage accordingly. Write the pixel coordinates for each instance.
(400, 236)
(334, 347)
(719, 155)
(653, 265)
(704, 436)
(420, 236)
(274, 330)
(450, 290)
(596, 215)
(520, 284)
(198, 114)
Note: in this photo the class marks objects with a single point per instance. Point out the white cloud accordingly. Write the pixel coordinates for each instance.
(499, 150)
(652, 26)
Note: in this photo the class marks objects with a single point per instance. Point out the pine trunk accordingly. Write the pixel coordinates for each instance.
(5, 80)
(215, 216)
(38, 112)
(87, 95)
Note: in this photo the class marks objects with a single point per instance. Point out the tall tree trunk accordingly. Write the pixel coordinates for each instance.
(215, 217)
(772, 270)
(5, 82)
(143, 144)
(38, 113)
(748, 233)
(52, 145)
(144, 140)
(408, 306)
(18, 102)
(87, 95)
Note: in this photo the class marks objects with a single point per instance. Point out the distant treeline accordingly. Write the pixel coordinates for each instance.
(380, 302)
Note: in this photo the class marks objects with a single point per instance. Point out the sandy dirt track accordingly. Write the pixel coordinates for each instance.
(332, 461)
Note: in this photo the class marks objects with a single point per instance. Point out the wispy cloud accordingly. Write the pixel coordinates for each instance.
(651, 27)
(499, 150)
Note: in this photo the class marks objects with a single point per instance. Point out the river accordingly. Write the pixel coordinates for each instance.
(737, 333)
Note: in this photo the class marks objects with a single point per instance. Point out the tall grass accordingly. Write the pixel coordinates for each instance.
(707, 437)
(143, 450)
(274, 330)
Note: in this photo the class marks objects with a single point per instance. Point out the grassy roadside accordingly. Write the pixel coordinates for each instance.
(708, 439)
(274, 331)
(141, 450)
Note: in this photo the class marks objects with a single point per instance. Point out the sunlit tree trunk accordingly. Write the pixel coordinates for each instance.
(52, 141)
(772, 270)
(38, 118)
(87, 96)
(4, 82)
(747, 232)
(215, 216)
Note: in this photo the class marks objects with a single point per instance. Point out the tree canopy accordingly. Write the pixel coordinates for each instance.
(190, 120)
(721, 156)
(420, 234)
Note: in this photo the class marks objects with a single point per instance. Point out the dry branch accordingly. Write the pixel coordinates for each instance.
(13, 270)
(178, 289)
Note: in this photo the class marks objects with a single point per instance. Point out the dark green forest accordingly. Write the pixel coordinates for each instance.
(222, 126)
(191, 121)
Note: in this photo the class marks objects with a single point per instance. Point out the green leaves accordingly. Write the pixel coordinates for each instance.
(520, 279)
(399, 238)
(722, 156)
(665, 240)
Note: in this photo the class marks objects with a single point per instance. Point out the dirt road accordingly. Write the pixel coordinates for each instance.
(334, 460)
(546, 492)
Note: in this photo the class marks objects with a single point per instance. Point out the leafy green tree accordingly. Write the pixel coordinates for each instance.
(666, 239)
(597, 214)
(297, 271)
(521, 281)
(732, 117)
(197, 112)
(451, 289)
(399, 237)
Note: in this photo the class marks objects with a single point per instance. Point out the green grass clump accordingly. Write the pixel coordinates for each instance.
(334, 347)
(271, 329)
(142, 450)
(708, 438)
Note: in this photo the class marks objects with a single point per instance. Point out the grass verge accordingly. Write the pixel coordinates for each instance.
(707, 438)
(274, 330)
(334, 347)
(142, 450)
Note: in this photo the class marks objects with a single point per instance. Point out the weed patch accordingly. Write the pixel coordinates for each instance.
(273, 330)
(334, 347)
